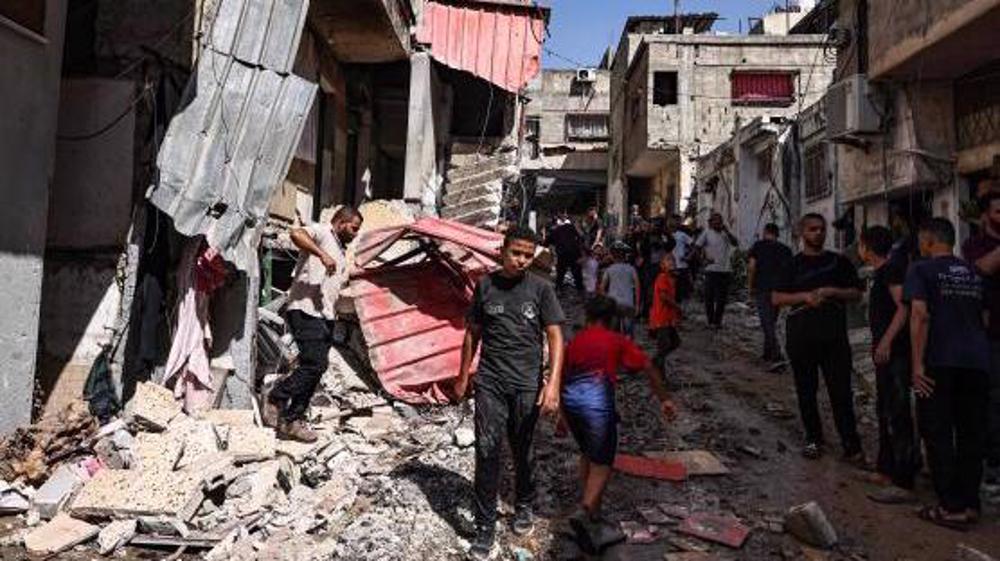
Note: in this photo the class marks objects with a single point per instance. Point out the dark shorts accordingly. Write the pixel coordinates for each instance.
(589, 407)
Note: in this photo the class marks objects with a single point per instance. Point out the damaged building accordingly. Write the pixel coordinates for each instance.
(233, 121)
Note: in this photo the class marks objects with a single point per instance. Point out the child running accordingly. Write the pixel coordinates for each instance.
(593, 359)
(664, 313)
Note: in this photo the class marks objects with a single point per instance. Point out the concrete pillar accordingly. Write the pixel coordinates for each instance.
(29, 95)
(422, 183)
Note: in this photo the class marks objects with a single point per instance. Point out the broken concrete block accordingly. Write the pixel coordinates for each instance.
(56, 491)
(120, 494)
(229, 417)
(719, 529)
(59, 534)
(809, 524)
(251, 444)
(200, 441)
(153, 406)
(373, 428)
(654, 516)
(158, 451)
(115, 535)
(253, 492)
(464, 437)
(12, 500)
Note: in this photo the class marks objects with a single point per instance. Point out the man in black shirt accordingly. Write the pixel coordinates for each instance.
(951, 361)
(898, 449)
(817, 287)
(568, 243)
(768, 260)
(512, 310)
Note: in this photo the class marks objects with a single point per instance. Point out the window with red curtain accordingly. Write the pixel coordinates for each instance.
(763, 88)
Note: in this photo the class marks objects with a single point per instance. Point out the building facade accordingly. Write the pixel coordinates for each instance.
(680, 95)
(564, 156)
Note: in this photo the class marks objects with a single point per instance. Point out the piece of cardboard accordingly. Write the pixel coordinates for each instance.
(697, 462)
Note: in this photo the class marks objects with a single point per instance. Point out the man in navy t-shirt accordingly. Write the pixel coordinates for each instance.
(951, 359)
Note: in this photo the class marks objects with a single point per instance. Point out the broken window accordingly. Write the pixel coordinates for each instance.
(817, 178)
(588, 126)
(664, 88)
(767, 89)
(580, 88)
(29, 14)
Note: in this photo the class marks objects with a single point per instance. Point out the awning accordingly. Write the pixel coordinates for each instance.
(498, 41)
(412, 306)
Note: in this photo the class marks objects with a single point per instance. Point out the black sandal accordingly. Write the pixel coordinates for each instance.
(938, 516)
(812, 451)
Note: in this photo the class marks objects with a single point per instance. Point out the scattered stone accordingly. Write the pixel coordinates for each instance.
(654, 516)
(521, 554)
(639, 533)
(809, 524)
(697, 462)
(199, 439)
(12, 500)
(59, 534)
(159, 451)
(121, 494)
(115, 535)
(51, 496)
(153, 406)
(229, 417)
(251, 444)
(751, 451)
(464, 437)
(719, 529)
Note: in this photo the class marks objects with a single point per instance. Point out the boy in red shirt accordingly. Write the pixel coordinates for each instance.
(592, 361)
(664, 315)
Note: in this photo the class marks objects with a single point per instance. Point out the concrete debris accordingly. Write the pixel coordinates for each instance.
(51, 496)
(30, 453)
(719, 529)
(12, 499)
(228, 417)
(59, 534)
(153, 405)
(251, 444)
(158, 451)
(809, 524)
(464, 437)
(115, 535)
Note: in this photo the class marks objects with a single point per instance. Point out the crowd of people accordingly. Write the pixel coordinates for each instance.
(934, 318)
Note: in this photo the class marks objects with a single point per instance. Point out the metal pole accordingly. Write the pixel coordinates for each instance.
(677, 17)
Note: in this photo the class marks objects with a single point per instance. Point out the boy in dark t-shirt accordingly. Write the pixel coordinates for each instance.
(950, 364)
(898, 449)
(816, 287)
(512, 310)
(767, 261)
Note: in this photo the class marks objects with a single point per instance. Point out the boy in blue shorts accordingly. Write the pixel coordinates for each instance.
(593, 359)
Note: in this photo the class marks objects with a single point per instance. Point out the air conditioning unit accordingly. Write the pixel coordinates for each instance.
(588, 75)
(850, 110)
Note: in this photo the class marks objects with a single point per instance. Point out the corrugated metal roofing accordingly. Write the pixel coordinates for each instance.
(233, 141)
(498, 42)
(413, 315)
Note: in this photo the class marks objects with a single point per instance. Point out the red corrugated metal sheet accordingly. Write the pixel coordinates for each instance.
(497, 41)
(763, 87)
(413, 315)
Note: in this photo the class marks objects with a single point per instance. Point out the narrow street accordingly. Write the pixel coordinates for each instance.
(733, 407)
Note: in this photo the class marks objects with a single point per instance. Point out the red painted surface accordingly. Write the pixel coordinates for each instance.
(498, 41)
(413, 316)
(763, 87)
(641, 466)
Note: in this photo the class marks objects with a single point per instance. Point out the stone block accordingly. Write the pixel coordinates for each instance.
(809, 524)
(59, 534)
(120, 494)
(229, 417)
(54, 493)
(158, 451)
(153, 406)
(115, 535)
(464, 437)
(199, 441)
(251, 444)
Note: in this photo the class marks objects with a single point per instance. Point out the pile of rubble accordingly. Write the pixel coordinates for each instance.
(385, 481)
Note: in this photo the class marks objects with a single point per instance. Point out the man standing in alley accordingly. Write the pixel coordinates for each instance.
(767, 263)
(593, 228)
(716, 245)
(682, 248)
(951, 361)
(983, 251)
(817, 286)
(568, 243)
(317, 279)
(898, 449)
(512, 312)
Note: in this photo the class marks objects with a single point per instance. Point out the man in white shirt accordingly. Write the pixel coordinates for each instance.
(716, 244)
(682, 249)
(319, 275)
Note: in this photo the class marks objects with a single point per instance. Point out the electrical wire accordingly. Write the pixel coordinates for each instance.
(104, 129)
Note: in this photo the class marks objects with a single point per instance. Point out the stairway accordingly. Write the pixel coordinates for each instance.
(474, 185)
